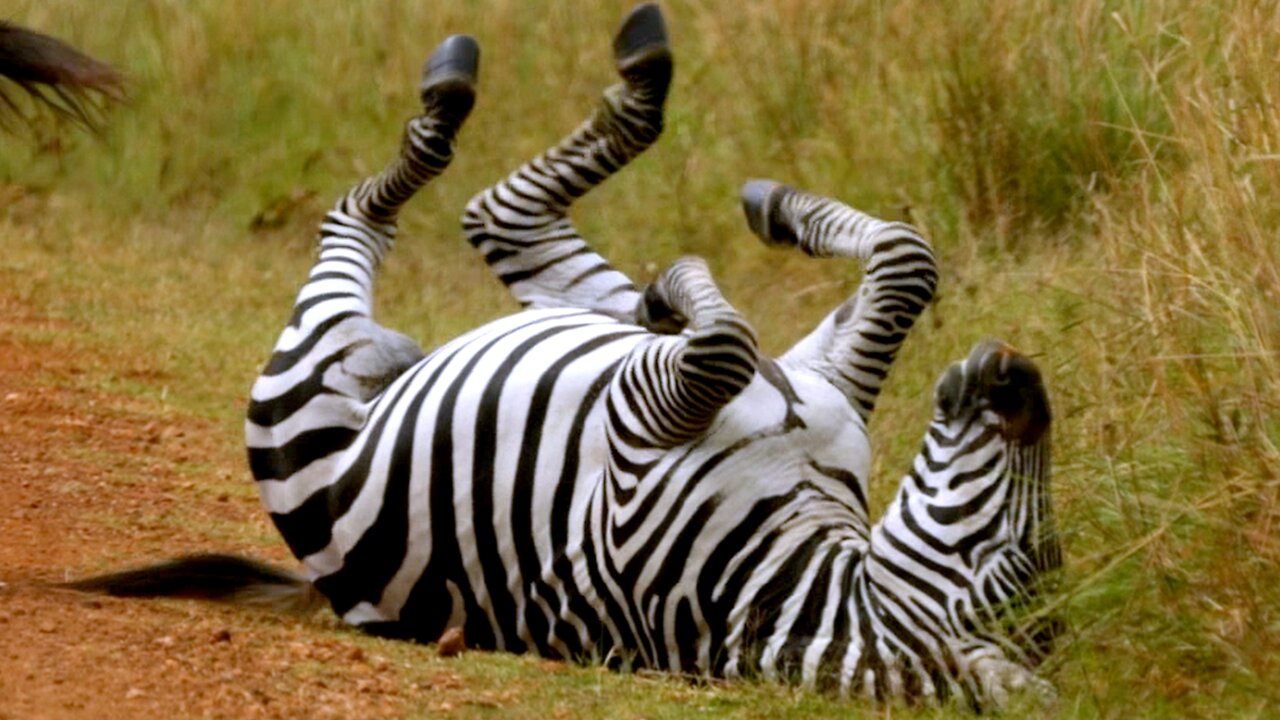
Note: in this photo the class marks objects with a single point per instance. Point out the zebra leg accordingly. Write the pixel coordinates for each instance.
(669, 392)
(855, 345)
(332, 328)
(521, 224)
(362, 225)
(312, 399)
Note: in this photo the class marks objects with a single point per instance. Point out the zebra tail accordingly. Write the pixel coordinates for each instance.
(229, 579)
(67, 81)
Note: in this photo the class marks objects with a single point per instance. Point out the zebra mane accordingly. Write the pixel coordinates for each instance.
(72, 85)
(1037, 536)
(1030, 504)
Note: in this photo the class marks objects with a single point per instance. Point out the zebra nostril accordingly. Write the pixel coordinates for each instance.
(1019, 397)
(989, 364)
(990, 351)
(998, 377)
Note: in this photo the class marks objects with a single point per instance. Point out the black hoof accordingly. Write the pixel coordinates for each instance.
(760, 201)
(656, 315)
(449, 79)
(641, 51)
(644, 28)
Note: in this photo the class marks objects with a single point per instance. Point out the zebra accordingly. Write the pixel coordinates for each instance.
(616, 473)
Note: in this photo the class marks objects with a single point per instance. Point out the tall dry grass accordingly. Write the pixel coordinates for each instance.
(1101, 179)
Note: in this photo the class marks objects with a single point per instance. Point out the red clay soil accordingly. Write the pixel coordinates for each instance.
(90, 481)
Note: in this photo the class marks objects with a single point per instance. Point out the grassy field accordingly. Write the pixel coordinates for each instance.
(1101, 181)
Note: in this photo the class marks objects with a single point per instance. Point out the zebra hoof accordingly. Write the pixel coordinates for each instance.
(449, 79)
(655, 314)
(641, 51)
(760, 203)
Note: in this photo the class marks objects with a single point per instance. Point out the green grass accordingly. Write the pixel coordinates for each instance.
(1101, 181)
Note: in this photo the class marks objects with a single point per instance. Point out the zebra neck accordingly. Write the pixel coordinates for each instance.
(852, 617)
(966, 567)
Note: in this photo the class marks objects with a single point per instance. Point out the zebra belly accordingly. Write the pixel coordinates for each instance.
(462, 501)
(725, 553)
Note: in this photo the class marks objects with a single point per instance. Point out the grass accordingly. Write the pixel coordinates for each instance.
(1101, 181)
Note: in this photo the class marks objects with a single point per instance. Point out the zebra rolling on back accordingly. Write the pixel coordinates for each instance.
(616, 471)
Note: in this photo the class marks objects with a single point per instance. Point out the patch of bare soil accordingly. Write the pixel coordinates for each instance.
(91, 481)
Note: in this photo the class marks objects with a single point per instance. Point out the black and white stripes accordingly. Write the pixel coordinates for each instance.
(620, 474)
(855, 346)
(521, 226)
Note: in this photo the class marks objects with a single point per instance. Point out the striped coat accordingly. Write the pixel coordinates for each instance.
(617, 473)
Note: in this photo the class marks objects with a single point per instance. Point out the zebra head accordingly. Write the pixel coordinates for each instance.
(980, 488)
(962, 552)
(986, 458)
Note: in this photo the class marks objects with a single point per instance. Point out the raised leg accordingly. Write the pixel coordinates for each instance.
(855, 345)
(333, 358)
(669, 391)
(521, 224)
(358, 232)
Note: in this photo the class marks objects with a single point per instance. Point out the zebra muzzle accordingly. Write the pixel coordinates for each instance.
(998, 377)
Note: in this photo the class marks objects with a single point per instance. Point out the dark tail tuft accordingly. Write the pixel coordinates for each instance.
(221, 578)
(56, 75)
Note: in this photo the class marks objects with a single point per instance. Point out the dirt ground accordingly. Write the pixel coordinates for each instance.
(92, 480)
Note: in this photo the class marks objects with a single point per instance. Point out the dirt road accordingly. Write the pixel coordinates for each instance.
(92, 481)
